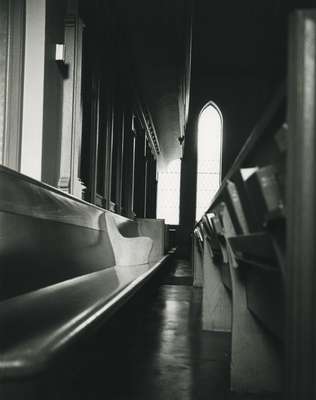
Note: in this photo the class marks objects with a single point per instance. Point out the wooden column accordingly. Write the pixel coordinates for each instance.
(129, 167)
(140, 174)
(301, 209)
(119, 163)
(109, 123)
(70, 156)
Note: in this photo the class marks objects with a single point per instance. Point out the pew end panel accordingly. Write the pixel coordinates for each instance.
(197, 251)
(127, 250)
(216, 299)
(156, 230)
(255, 359)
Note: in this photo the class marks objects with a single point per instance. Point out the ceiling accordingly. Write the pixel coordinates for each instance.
(229, 38)
(158, 37)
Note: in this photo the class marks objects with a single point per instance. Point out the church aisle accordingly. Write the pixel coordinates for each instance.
(158, 352)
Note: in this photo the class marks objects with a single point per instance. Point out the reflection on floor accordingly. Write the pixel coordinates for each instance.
(181, 274)
(156, 353)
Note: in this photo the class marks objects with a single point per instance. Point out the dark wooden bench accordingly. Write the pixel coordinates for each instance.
(65, 265)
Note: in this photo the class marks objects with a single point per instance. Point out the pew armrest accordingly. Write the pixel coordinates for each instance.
(154, 229)
(132, 251)
(128, 251)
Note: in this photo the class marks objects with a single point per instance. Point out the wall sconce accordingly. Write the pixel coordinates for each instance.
(60, 58)
(60, 53)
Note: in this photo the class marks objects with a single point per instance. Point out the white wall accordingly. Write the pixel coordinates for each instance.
(33, 98)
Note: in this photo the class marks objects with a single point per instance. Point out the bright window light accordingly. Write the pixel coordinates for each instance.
(209, 158)
(168, 196)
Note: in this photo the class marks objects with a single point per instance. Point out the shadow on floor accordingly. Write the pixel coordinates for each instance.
(153, 349)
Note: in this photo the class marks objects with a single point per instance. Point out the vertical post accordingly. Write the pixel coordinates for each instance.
(94, 129)
(119, 165)
(255, 364)
(14, 86)
(132, 176)
(301, 206)
(109, 152)
(33, 98)
(129, 167)
(140, 174)
(4, 19)
(68, 174)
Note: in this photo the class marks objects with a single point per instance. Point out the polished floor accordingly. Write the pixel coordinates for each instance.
(156, 350)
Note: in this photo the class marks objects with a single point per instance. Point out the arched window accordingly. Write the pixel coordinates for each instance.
(168, 193)
(209, 149)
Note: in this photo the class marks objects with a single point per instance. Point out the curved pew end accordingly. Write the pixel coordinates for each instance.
(155, 230)
(127, 250)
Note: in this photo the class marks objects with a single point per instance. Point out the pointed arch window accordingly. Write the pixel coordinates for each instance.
(209, 156)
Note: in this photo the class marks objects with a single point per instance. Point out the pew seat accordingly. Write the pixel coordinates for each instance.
(39, 325)
(65, 267)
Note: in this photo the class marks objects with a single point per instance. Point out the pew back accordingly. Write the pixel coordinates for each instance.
(48, 236)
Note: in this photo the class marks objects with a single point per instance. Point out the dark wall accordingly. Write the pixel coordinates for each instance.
(242, 100)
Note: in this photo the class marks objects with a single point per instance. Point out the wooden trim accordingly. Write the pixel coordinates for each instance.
(128, 166)
(94, 129)
(99, 200)
(131, 213)
(148, 124)
(109, 152)
(140, 172)
(119, 174)
(68, 179)
(301, 209)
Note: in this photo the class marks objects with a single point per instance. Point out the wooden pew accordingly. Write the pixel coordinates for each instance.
(216, 301)
(65, 267)
(248, 217)
(197, 251)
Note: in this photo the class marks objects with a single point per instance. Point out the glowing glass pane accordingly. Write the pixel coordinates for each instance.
(209, 158)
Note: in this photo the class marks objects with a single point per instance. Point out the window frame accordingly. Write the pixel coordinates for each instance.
(217, 109)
